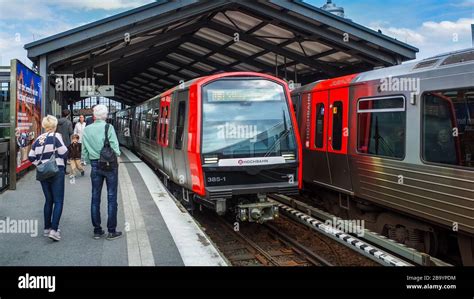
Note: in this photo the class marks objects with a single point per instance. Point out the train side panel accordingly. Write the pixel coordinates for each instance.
(442, 194)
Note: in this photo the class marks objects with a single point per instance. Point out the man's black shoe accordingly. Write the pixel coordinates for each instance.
(98, 235)
(113, 236)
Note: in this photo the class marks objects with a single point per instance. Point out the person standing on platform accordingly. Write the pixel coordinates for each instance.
(79, 130)
(93, 141)
(74, 156)
(90, 119)
(66, 130)
(80, 126)
(46, 145)
(65, 127)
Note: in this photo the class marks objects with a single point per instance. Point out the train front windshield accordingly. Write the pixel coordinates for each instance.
(246, 118)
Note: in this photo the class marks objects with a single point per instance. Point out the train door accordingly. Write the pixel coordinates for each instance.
(179, 140)
(316, 145)
(136, 128)
(155, 127)
(163, 133)
(337, 139)
(128, 134)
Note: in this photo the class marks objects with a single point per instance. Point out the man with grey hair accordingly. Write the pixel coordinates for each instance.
(92, 143)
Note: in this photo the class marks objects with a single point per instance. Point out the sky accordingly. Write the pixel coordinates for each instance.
(433, 26)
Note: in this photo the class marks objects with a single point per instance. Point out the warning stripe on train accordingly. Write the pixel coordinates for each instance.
(366, 249)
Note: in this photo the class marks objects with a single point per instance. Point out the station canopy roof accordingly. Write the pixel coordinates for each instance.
(152, 48)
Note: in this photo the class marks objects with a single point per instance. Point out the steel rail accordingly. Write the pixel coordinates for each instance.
(409, 254)
(378, 255)
(311, 256)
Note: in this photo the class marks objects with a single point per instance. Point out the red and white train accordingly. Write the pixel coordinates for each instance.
(222, 141)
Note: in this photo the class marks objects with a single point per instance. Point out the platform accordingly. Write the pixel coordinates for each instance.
(158, 231)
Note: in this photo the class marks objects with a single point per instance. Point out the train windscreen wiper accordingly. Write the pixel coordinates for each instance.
(283, 135)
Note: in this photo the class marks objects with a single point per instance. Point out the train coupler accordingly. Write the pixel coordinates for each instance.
(257, 212)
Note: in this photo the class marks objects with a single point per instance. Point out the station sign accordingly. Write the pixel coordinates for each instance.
(97, 91)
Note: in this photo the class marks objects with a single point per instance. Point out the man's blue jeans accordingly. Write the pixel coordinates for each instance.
(111, 179)
(53, 189)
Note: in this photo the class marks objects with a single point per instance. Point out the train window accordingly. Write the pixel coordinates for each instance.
(337, 116)
(142, 127)
(246, 117)
(149, 117)
(165, 125)
(163, 121)
(148, 130)
(137, 122)
(160, 129)
(143, 122)
(154, 124)
(448, 127)
(180, 125)
(381, 127)
(319, 130)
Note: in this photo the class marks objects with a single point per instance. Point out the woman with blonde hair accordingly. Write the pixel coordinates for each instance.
(45, 146)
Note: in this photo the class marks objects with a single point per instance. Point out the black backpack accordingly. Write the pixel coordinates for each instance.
(108, 158)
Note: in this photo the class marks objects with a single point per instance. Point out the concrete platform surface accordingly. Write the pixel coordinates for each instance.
(157, 230)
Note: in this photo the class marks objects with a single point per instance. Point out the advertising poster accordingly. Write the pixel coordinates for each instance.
(28, 111)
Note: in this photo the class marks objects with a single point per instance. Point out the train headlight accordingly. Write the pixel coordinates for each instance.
(211, 160)
(289, 156)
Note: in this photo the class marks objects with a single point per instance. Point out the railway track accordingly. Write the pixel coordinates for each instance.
(283, 242)
(257, 245)
(372, 245)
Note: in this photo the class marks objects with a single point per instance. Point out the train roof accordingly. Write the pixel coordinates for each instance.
(450, 59)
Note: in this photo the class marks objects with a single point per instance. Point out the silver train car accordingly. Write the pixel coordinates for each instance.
(395, 147)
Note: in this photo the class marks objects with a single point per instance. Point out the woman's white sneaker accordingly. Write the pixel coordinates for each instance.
(47, 231)
(54, 235)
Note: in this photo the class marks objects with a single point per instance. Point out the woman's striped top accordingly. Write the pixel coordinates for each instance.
(48, 140)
